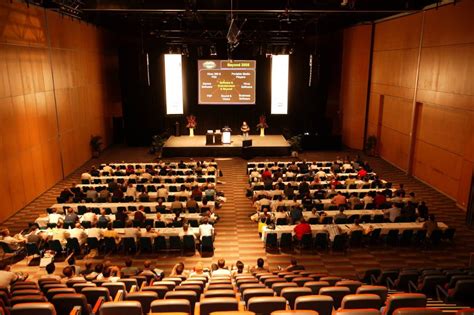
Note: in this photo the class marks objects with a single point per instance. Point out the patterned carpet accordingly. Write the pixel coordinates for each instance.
(237, 237)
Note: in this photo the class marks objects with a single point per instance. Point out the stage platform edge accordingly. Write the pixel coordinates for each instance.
(269, 145)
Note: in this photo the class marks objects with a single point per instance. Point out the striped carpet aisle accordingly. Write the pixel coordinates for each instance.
(237, 237)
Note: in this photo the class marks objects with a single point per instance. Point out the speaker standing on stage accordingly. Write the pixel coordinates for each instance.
(245, 130)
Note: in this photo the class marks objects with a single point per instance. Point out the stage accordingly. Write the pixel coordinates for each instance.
(271, 145)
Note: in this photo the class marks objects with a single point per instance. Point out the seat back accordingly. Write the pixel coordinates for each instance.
(191, 296)
(78, 287)
(93, 294)
(114, 287)
(316, 285)
(144, 298)
(219, 293)
(27, 299)
(365, 311)
(466, 311)
(300, 281)
(216, 304)
(277, 287)
(337, 293)
(332, 280)
(398, 300)
(323, 304)
(351, 284)
(265, 305)
(53, 292)
(417, 311)
(381, 291)
(37, 308)
(160, 290)
(121, 308)
(293, 312)
(290, 294)
(65, 302)
(171, 305)
(247, 294)
(355, 301)
(463, 291)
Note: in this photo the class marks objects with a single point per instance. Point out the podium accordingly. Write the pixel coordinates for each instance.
(226, 135)
(209, 137)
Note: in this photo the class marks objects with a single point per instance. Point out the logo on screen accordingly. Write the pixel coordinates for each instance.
(209, 64)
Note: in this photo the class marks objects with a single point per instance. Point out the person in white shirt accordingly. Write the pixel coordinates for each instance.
(94, 232)
(206, 229)
(55, 217)
(77, 232)
(14, 242)
(58, 234)
(320, 173)
(130, 231)
(6, 276)
(50, 268)
(254, 175)
(89, 216)
(186, 231)
(131, 191)
(149, 232)
(222, 270)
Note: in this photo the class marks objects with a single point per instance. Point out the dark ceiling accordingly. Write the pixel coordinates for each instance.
(203, 22)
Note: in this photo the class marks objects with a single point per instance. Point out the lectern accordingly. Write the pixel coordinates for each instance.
(209, 137)
(226, 135)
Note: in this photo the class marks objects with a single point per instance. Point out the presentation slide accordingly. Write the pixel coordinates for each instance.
(226, 81)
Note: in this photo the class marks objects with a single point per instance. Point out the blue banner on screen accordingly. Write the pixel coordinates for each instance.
(229, 82)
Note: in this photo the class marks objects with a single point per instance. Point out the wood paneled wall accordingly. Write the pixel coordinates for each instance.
(424, 64)
(354, 81)
(58, 86)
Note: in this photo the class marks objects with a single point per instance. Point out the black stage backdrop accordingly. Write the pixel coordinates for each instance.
(312, 109)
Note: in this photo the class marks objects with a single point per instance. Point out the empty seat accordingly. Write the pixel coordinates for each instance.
(290, 294)
(316, 285)
(398, 300)
(300, 281)
(26, 292)
(293, 312)
(219, 293)
(190, 287)
(158, 289)
(355, 301)
(37, 308)
(53, 292)
(265, 305)
(323, 304)
(351, 284)
(218, 304)
(65, 302)
(171, 305)
(121, 308)
(251, 286)
(417, 311)
(220, 286)
(374, 289)
(191, 296)
(27, 299)
(93, 294)
(337, 293)
(114, 287)
(78, 287)
(277, 287)
(250, 293)
(129, 283)
(332, 280)
(145, 298)
(365, 311)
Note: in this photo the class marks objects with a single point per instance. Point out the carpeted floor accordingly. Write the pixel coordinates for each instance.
(237, 237)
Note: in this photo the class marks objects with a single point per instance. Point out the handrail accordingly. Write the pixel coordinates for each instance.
(441, 291)
(133, 288)
(412, 286)
(76, 310)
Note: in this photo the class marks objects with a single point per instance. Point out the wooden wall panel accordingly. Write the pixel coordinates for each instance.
(443, 147)
(354, 81)
(398, 34)
(46, 119)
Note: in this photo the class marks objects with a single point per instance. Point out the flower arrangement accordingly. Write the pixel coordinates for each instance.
(262, 122)
(192, 123)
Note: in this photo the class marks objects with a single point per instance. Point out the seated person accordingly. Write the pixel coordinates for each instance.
(293, 266)
(222, 270)
(301, 229)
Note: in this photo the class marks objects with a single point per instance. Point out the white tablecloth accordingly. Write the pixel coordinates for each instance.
(320, 228)
(114, 205)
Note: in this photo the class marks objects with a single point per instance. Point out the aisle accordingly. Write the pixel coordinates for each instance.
(237, 237)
